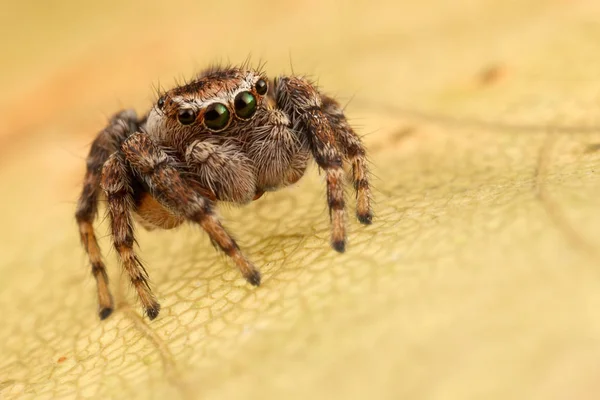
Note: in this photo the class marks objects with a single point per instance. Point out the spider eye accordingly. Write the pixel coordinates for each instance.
(161, 102)
(186, 116)
(216, 116)
(245, 105)
(261, 86)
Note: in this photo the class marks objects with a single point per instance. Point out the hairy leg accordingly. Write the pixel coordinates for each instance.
(301, 101)
(116, 183)
(107, 142)
(354, 150)
(167, 185)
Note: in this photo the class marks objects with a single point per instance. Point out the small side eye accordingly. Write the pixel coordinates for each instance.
(186, 116)
(161, 102)
(261, 86)
(216, 117)
(245, 105)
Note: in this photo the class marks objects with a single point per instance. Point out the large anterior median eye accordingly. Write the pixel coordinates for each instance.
(216, 116)
(245, 105)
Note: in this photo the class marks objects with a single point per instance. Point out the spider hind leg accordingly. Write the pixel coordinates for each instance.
(106, 143)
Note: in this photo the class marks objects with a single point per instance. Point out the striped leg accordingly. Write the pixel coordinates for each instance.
(119, 194)
(356, 154)
(299, 99)
(107, 142)
(168, 187)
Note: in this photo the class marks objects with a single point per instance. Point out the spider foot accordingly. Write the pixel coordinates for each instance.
(339, 245)
(365, 218)
(253, 277)
(152, 311)
(105, 312)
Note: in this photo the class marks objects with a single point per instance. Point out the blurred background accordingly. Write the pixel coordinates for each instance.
(478, 279)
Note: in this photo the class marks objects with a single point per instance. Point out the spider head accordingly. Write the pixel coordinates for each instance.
(219, 101)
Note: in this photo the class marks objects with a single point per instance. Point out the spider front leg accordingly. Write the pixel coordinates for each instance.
(303, 103)
(167, 185)
(107, 142)
(116, 183)
(219, 166)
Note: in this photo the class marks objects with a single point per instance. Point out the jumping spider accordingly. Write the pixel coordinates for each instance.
(229, 135)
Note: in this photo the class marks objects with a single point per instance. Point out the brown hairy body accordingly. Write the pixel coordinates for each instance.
(229, 135)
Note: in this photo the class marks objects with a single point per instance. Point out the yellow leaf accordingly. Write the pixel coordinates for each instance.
(478, 279)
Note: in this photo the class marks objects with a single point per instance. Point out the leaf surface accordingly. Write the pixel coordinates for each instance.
(478, 279)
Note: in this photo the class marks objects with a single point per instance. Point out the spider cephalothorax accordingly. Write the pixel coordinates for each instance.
(229, 135)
